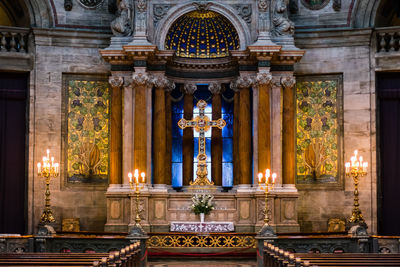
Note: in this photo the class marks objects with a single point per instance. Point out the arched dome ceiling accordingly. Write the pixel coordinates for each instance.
(202, 34)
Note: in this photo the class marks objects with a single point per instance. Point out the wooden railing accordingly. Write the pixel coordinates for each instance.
(276, 257)
(13, 39)
(126, 257)
(388, 39)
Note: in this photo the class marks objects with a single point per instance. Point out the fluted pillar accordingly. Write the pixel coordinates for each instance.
(116, 83)
(263, 83)
(187, 139)
(216, 135)
(141, 83)
(159, 130)
(168, 135)
(236, 139)
(244, 148)
(288, 131)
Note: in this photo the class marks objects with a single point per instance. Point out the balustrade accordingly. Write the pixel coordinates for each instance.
(388, 39)
(13, 39)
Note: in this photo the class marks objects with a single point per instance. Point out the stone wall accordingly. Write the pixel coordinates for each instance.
(59, 52)
(347, 53)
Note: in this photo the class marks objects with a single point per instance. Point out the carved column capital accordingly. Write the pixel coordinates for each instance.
(262, 5)
(241, 83)
(288, 82)
(163, 83)
(141, 79)
(263, 78)
(214, 88)
(116, 81)
(189, 88)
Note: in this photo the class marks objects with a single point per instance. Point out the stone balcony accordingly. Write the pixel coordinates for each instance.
(386, 45)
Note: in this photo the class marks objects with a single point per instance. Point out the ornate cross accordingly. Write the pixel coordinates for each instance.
(201, 124)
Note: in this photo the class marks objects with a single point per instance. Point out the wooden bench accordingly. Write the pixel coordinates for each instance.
(126, 257)
(275, 257)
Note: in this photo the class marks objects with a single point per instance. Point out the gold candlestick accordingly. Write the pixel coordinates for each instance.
(356, 169)
(48, 170)
(266, 184)
(135, 185)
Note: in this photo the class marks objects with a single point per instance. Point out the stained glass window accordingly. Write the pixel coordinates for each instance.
(177, 133)
(227, 138)
(317, 137)
(87, 107)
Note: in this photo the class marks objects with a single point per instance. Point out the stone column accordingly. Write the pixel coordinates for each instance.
(216, 135)
(187, 140)
(168, 135)
(116, 83)
(244, 148)
(264, 82)
(159, 130)
(288, 131)
(141, 83)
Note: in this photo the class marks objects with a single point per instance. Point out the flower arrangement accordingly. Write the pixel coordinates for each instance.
(202, 203)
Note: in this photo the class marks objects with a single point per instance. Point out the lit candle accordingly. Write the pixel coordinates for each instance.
(48, 153)
(143, 175)
(365, 166)
(273, 178)
(44, 160)
(347, 165)
(39, 166)
(130, 177)
(52, 161)
(56, 165)
(355, 153)
(136, 175)
(267, 173)
(260, 177)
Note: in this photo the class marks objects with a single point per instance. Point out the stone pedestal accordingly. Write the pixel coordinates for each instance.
(160, 207)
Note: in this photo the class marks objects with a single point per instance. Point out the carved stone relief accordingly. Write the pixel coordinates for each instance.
(282, 24)
(91, 3)
(244, 11)
(315, 4)
(122, 24)
(159, 11)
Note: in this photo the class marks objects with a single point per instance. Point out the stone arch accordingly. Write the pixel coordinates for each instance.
(40, 13)
(364, 13)
(174, 13)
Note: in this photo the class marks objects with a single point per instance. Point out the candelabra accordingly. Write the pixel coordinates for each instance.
(48, 170)
(266, 184)
(135, 185)
(356, 168)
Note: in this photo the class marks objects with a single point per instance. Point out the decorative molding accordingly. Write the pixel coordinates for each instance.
(159, 11)
(141, 79)
(307, 4)
(263, 78)
(337, 5)
(288, 82)
(242, 82)
(68, 5)
(214, 88)
(91, 4)
(262, 5)
(202, 6)
(163, 83)
(189, 88)
(142, 5)
(116, 81)
(244, 11)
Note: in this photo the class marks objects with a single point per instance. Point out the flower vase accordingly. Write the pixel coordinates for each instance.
(202, 217)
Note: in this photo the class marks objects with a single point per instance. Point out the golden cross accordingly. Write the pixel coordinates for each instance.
(201, 124)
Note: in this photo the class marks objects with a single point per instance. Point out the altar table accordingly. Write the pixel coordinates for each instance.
(205, 227)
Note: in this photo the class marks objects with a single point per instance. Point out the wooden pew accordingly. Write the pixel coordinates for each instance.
(126, 257)
(275, 257)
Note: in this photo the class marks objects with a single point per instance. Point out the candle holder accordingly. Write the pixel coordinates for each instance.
(135, 185)
(356, 169)
(266, 184)
(48, 170)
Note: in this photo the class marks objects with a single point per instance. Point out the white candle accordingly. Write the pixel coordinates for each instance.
(143, 175)
(365, 166)
(347, 165)
(130, 177)
(267, 173)
(39, 167)
(260, 177)
(273, 178)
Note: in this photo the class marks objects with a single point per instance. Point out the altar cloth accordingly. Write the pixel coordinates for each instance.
(205, 227)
